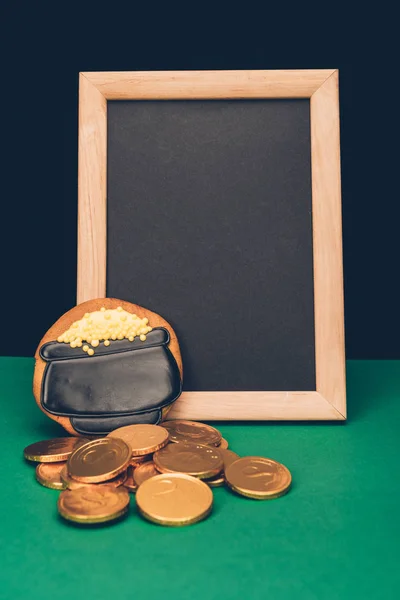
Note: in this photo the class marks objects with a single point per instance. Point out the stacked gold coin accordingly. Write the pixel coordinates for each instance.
(171, 468)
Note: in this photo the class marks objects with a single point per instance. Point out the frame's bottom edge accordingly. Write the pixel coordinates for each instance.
(254, 406)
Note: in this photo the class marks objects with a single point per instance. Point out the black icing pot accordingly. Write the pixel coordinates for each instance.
(122, 384)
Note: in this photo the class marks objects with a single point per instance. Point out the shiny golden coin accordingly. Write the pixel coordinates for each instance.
(99, 460)
(129, 482)
(192, 431)
(223, 445)
(56, 450)
(93, 504)
(175, 499)
(258, 477)
(143, 439)
(144, 472)
(48, 474)
(192, 459)
(228, 457)
(72, 484)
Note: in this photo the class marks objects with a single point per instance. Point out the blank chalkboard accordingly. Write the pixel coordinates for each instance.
(210, 225)
(215, 202)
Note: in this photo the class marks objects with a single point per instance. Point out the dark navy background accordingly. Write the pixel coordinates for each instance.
(46, 47)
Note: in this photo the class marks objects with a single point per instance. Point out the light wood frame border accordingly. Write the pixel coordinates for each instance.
(328, 402)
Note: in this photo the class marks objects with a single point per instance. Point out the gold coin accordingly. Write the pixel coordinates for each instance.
(99, 460)
(228, 457)
(73, 484)
(48, 474)
(223, 445)
(175, 499)
(258, 477)
(129, 482)
(192, 459)
(70, 483)
(139, 460)
(144, 472)
(93, 504)
(192, 431)
(143, 439)
(56, 450)
(119, 479)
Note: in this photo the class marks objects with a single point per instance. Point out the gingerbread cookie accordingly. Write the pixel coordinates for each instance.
(107, 363)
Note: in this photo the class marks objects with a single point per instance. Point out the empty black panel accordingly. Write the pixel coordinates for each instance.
(210, 225)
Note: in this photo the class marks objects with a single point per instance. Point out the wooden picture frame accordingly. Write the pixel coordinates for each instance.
(328, 401)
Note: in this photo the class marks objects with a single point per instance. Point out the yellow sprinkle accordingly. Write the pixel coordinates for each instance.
(85, 348)
(60, 338)
(107, 342)
(105, 324)
(90, 351)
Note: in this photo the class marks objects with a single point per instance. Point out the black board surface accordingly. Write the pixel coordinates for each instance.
(210, 225)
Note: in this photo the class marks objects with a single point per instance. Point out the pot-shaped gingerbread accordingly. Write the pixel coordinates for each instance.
(107, 363)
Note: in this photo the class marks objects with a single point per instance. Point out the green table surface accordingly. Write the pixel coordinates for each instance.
(334, 535)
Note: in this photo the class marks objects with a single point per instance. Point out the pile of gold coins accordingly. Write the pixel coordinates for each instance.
(171, 468)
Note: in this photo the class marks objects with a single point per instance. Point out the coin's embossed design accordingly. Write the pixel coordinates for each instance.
(93, 504)
(192, 431)
(99, 460)
(187, 457)
(93, 499)
(56, 450)
(261, 471)
(192, 460)
(168, 484)
(174, 500)
(187, 432)
(258, 477)
(92, 457)
(143, 439)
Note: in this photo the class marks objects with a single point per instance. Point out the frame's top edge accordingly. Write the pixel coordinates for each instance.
(328, 72)
(162, 85)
